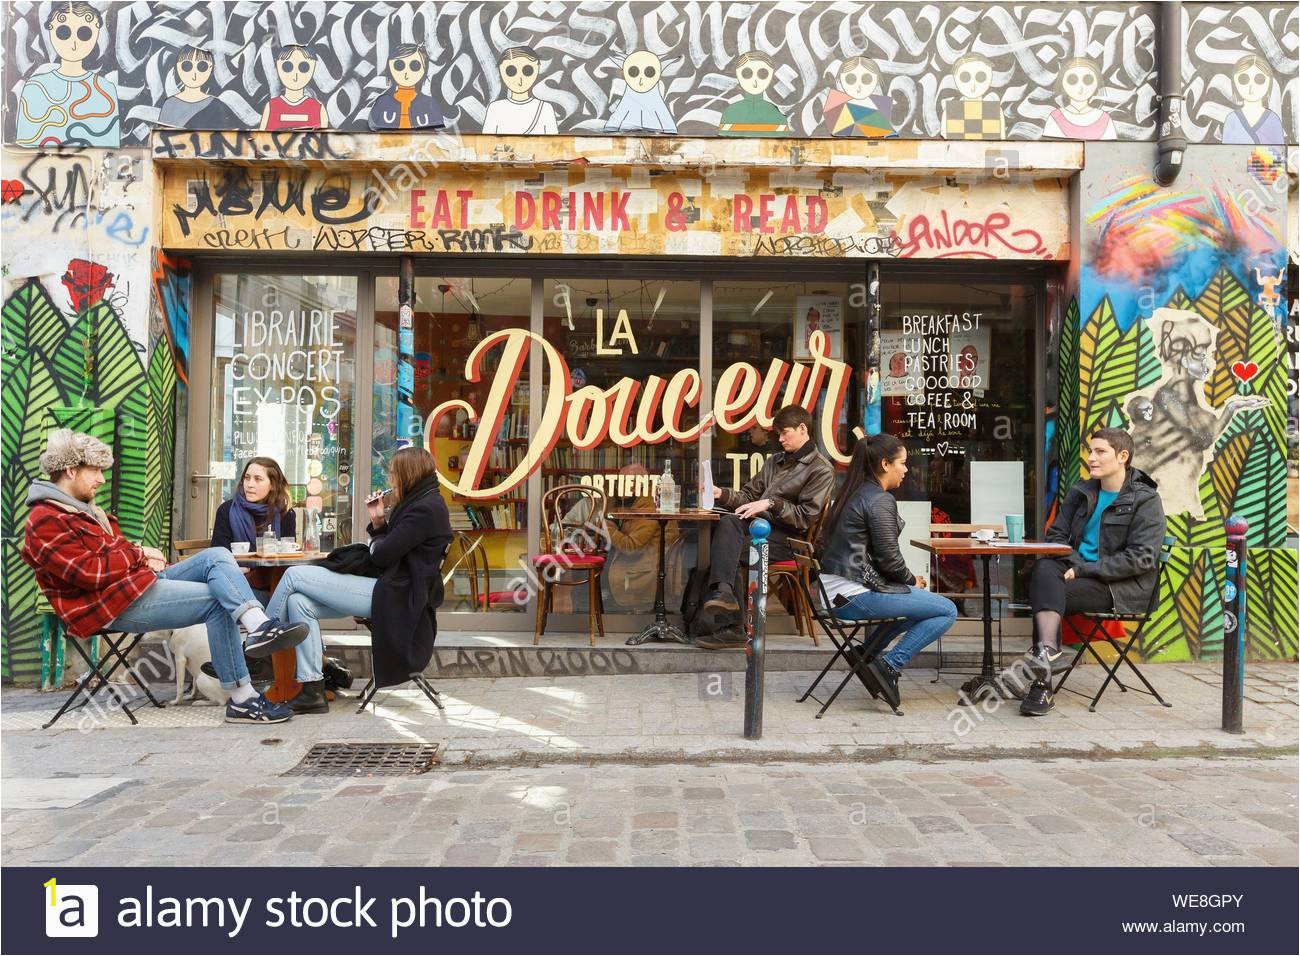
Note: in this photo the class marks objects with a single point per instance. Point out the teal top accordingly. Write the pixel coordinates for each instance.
(1088, 546)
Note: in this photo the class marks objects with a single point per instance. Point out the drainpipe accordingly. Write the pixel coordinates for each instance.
(1172, 144)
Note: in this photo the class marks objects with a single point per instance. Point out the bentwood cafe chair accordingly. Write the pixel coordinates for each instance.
(573, 540)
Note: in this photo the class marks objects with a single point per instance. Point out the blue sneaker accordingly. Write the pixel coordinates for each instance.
(274, 636)
(257, 710)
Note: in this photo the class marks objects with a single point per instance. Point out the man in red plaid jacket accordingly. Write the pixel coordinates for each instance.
(97, 580)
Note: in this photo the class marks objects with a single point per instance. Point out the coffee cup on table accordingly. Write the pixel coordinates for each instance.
(1015, 528)
(239, 547)
(983, 535)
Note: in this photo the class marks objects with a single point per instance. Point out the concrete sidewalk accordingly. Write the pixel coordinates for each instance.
(670, 718)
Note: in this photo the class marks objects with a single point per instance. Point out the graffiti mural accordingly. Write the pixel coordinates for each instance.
(1060, 69)
(1173, 344)
(620, 209)
(83, 372)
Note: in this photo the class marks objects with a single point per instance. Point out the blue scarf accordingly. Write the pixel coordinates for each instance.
(246, 515)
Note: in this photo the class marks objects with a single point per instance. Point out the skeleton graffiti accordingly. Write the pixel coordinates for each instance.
(1173, 425)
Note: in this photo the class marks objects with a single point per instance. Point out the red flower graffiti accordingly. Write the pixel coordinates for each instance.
(11, 190)
(86, 283)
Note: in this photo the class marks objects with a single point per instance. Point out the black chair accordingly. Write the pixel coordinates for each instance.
(842, 633)
(419, 680)
(116, 647)
(1099, 621)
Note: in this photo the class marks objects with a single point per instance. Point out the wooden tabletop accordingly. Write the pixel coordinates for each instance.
(972, 546)
(278, 560)
(692, 514)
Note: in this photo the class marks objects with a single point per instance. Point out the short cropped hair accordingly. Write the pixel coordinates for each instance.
(792, 416)
(1117, 439)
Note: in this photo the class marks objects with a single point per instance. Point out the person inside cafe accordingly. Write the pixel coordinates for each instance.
(862, 566)
(395, 582)
(633, 567)
(790, 491)
(95, 579)
(261, 503)
(1115, 522)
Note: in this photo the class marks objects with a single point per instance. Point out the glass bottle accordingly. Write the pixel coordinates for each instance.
(667, 490)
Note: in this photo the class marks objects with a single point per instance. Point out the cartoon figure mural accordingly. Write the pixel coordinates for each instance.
(858, 108)
(1269, 298)
(1252, 121)
(753, 114)
(1173, 425)
(294, 109)
(66, 103)
(404, 106)
(192, 106)
(973, 116)
(519, 113)
(1079, 118)
(642, 107)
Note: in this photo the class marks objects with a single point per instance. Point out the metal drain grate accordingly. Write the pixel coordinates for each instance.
(365, 760)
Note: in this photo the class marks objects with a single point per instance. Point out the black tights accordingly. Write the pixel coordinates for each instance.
(1052, 597)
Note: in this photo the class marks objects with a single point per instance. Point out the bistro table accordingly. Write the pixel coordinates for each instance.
(986, 682)
(283, 663)
(659, 629)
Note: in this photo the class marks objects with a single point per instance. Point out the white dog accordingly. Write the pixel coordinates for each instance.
(189, 647)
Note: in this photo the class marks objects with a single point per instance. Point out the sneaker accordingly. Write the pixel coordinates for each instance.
(887, 679)
(274, 636)
(257, 710)
(1038, 701)
(1048, 662)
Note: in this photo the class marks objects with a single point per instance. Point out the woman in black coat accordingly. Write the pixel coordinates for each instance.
(396, 582)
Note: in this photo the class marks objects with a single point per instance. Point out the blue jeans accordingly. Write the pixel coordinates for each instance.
(208, 588)
(306, 594)
(925, 617)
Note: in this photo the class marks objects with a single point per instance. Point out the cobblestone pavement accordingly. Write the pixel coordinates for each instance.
(653, 770)
(1180, 812)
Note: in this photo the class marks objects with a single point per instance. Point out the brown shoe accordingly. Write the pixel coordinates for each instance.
(728, 639)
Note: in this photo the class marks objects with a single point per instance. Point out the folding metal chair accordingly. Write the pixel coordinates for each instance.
(419, 680)
(842, 633)
(1099, 621)
(116, 647)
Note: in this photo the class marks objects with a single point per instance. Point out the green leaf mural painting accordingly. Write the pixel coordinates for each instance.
(1178, 348)
(82, 372)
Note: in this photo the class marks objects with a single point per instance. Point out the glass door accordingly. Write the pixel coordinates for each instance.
(282, 387)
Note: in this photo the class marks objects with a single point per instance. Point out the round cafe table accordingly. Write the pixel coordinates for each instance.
(283, 663)
(659, 629)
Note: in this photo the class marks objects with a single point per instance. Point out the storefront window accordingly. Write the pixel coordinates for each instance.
(958, 386)
(284, 348)
(762, 322)
(641, 338)
(450, 318)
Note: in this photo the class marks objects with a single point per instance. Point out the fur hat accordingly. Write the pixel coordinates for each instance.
(68, 449)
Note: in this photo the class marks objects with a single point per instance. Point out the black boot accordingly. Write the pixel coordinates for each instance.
(311, 699)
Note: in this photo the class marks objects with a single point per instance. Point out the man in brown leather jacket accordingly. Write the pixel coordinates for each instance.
(790, 492)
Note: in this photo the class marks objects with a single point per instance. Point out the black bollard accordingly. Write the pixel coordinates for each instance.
(1234, 626)
(759, 529)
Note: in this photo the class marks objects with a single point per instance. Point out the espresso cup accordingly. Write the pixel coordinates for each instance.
(239, 547)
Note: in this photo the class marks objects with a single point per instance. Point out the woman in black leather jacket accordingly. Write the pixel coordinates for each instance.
(863, 569)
